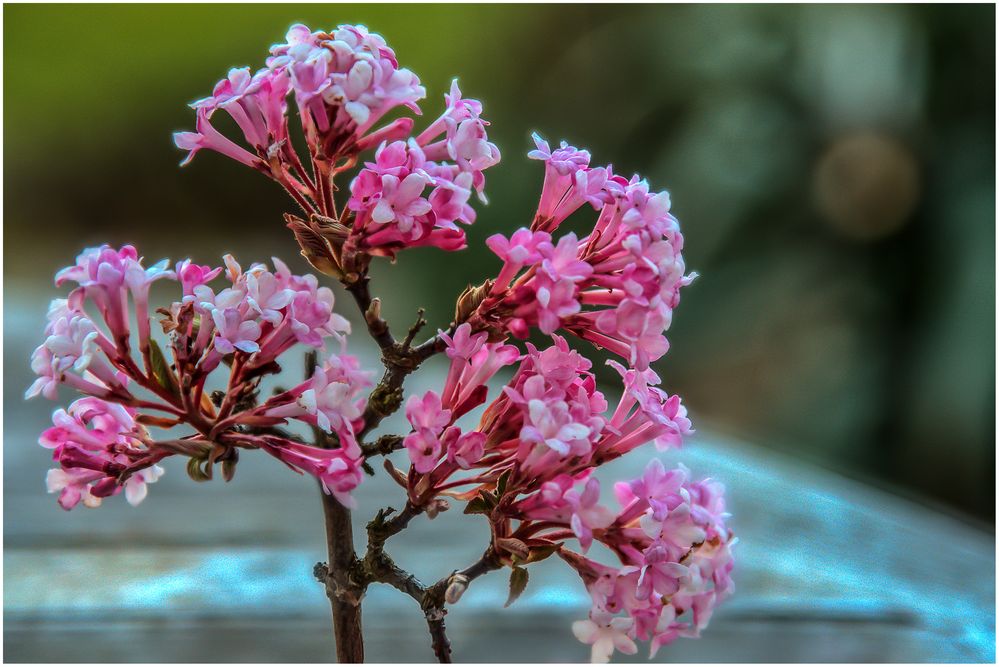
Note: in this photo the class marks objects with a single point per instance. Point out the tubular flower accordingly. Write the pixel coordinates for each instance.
(101, 443)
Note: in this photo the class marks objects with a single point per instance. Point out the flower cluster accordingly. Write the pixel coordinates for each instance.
(549, 421)
(531, 458)
(344, 82)
(94, 442)
(246, 324)
(615, 287)
(676, 560)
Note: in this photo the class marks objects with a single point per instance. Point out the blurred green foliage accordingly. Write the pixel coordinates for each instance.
(833, 167)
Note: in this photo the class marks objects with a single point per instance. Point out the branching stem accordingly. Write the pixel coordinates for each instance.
(347, 577)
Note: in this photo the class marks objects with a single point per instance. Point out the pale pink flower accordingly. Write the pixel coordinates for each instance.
(606, 634)
(266, 295)
(233, 332)
(332, 399)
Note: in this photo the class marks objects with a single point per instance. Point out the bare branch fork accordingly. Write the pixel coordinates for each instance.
(347, 576)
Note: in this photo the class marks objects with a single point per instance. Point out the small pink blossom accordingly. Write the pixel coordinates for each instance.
(338, 472)
(606, 634)
(235, 333)
(428, 418)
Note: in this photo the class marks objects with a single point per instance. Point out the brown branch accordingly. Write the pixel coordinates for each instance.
(341, 586)
(378, 566)
(371, 310)
(415, 329)
(399, 359)
(383, 446)
(451, 587)
(438, 635)
(399, 362)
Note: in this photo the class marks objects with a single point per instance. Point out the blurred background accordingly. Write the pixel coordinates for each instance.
(832, 168)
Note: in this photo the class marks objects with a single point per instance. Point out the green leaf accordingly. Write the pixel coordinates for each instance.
(161, 369)
(501, 484)
(518, 582)
(477, 506)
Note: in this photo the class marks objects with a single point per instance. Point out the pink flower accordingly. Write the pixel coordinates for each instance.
(660, 575)
(401, 201)
(589, 515)
(424, 448)
(465, 140)
(616, 286)
(463, 344)
(338, 472)
(73, 486)
(466, 449)
(193, 275)
(347, 77)
(559, 501)
(428, 419)
(520, 249)
(235, 333)
(70, 355)
(333, 399)
(658, 489)
(206, 136)
(645, 413)
(605, 633)
(266, 295)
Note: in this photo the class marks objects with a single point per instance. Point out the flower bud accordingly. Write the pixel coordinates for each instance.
(436, 506)
(456, 587)
(470, 299)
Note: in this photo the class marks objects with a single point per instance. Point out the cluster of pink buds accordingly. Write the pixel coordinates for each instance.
(615, 287)
(101, 443)
(344, 82)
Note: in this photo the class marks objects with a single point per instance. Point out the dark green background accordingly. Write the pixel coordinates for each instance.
(855, 328)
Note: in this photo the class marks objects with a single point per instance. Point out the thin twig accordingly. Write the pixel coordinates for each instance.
(415, 329)
(383, 446)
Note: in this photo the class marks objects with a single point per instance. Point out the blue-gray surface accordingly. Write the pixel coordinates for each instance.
(828, 569)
